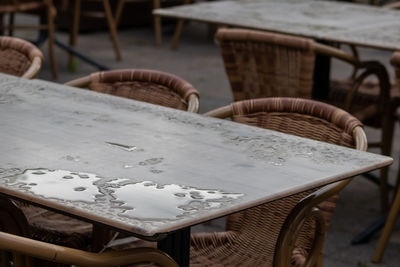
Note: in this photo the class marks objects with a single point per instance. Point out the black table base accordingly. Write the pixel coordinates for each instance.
(177, 245)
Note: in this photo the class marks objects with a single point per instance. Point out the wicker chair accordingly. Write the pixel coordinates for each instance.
(150, 86)
(23, 249)
(19, 58)
(12, 7)
(263, 64)
(290, 230)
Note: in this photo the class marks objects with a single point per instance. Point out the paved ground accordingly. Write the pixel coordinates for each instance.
(198, 61)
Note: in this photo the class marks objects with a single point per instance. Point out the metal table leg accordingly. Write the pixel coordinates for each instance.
(177, 245)
(321, 79)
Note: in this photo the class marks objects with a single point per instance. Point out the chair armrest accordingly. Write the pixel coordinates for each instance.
(80, 82)
(221, 112)
(193, 103)
(305, 209)
(371, 68)
(395, 5)
(34, 68)
(60, 254)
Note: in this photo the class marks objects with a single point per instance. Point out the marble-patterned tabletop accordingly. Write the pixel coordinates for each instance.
(149, 169)
(332, 21)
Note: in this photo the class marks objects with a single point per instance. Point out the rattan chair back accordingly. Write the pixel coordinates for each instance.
(251, 236)
(263, 64)
(45, 8)
(150, 86)
(19, 57)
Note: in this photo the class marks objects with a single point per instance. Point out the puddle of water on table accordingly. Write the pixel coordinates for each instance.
(145, 200)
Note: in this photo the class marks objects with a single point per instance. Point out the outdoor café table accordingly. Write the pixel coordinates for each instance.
(324, 21)
(150, 170)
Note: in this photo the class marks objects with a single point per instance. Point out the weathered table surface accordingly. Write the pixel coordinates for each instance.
(323, 20)
(149, 169)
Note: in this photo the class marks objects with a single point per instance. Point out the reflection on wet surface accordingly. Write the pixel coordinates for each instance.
(143, 201)
(60, 184)
(169, 201)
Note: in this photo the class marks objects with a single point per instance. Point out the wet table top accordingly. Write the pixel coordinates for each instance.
(323, 20)
(149, 169)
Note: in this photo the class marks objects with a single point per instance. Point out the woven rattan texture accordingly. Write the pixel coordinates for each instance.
(16, 55)
(299, 117)
(250, 239)
(261, 64)
(143, 91)
(13, 62)
(55, 228)
(251, 235)
(174, 83)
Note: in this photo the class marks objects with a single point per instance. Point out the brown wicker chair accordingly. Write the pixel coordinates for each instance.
(150, 86)
(19, 58)
(263, 64)
(290, 230)
(23, 249)
(12, 7)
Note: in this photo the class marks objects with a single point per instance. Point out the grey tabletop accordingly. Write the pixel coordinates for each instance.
(323, 20)
(149, 169)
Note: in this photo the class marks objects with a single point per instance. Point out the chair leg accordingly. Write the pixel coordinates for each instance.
(112, 28)
(118, 12)
(178, 30)
(74, 30)
(1, 24)
(50, 21)
(11, 24)
(177, 34)
(100, 237)
(387, 230)
(388, 121)
(157, 23)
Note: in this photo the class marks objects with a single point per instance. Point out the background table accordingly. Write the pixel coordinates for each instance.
(329, 21)
(150, 170)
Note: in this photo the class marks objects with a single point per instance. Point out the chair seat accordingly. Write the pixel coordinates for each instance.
(56, 228)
